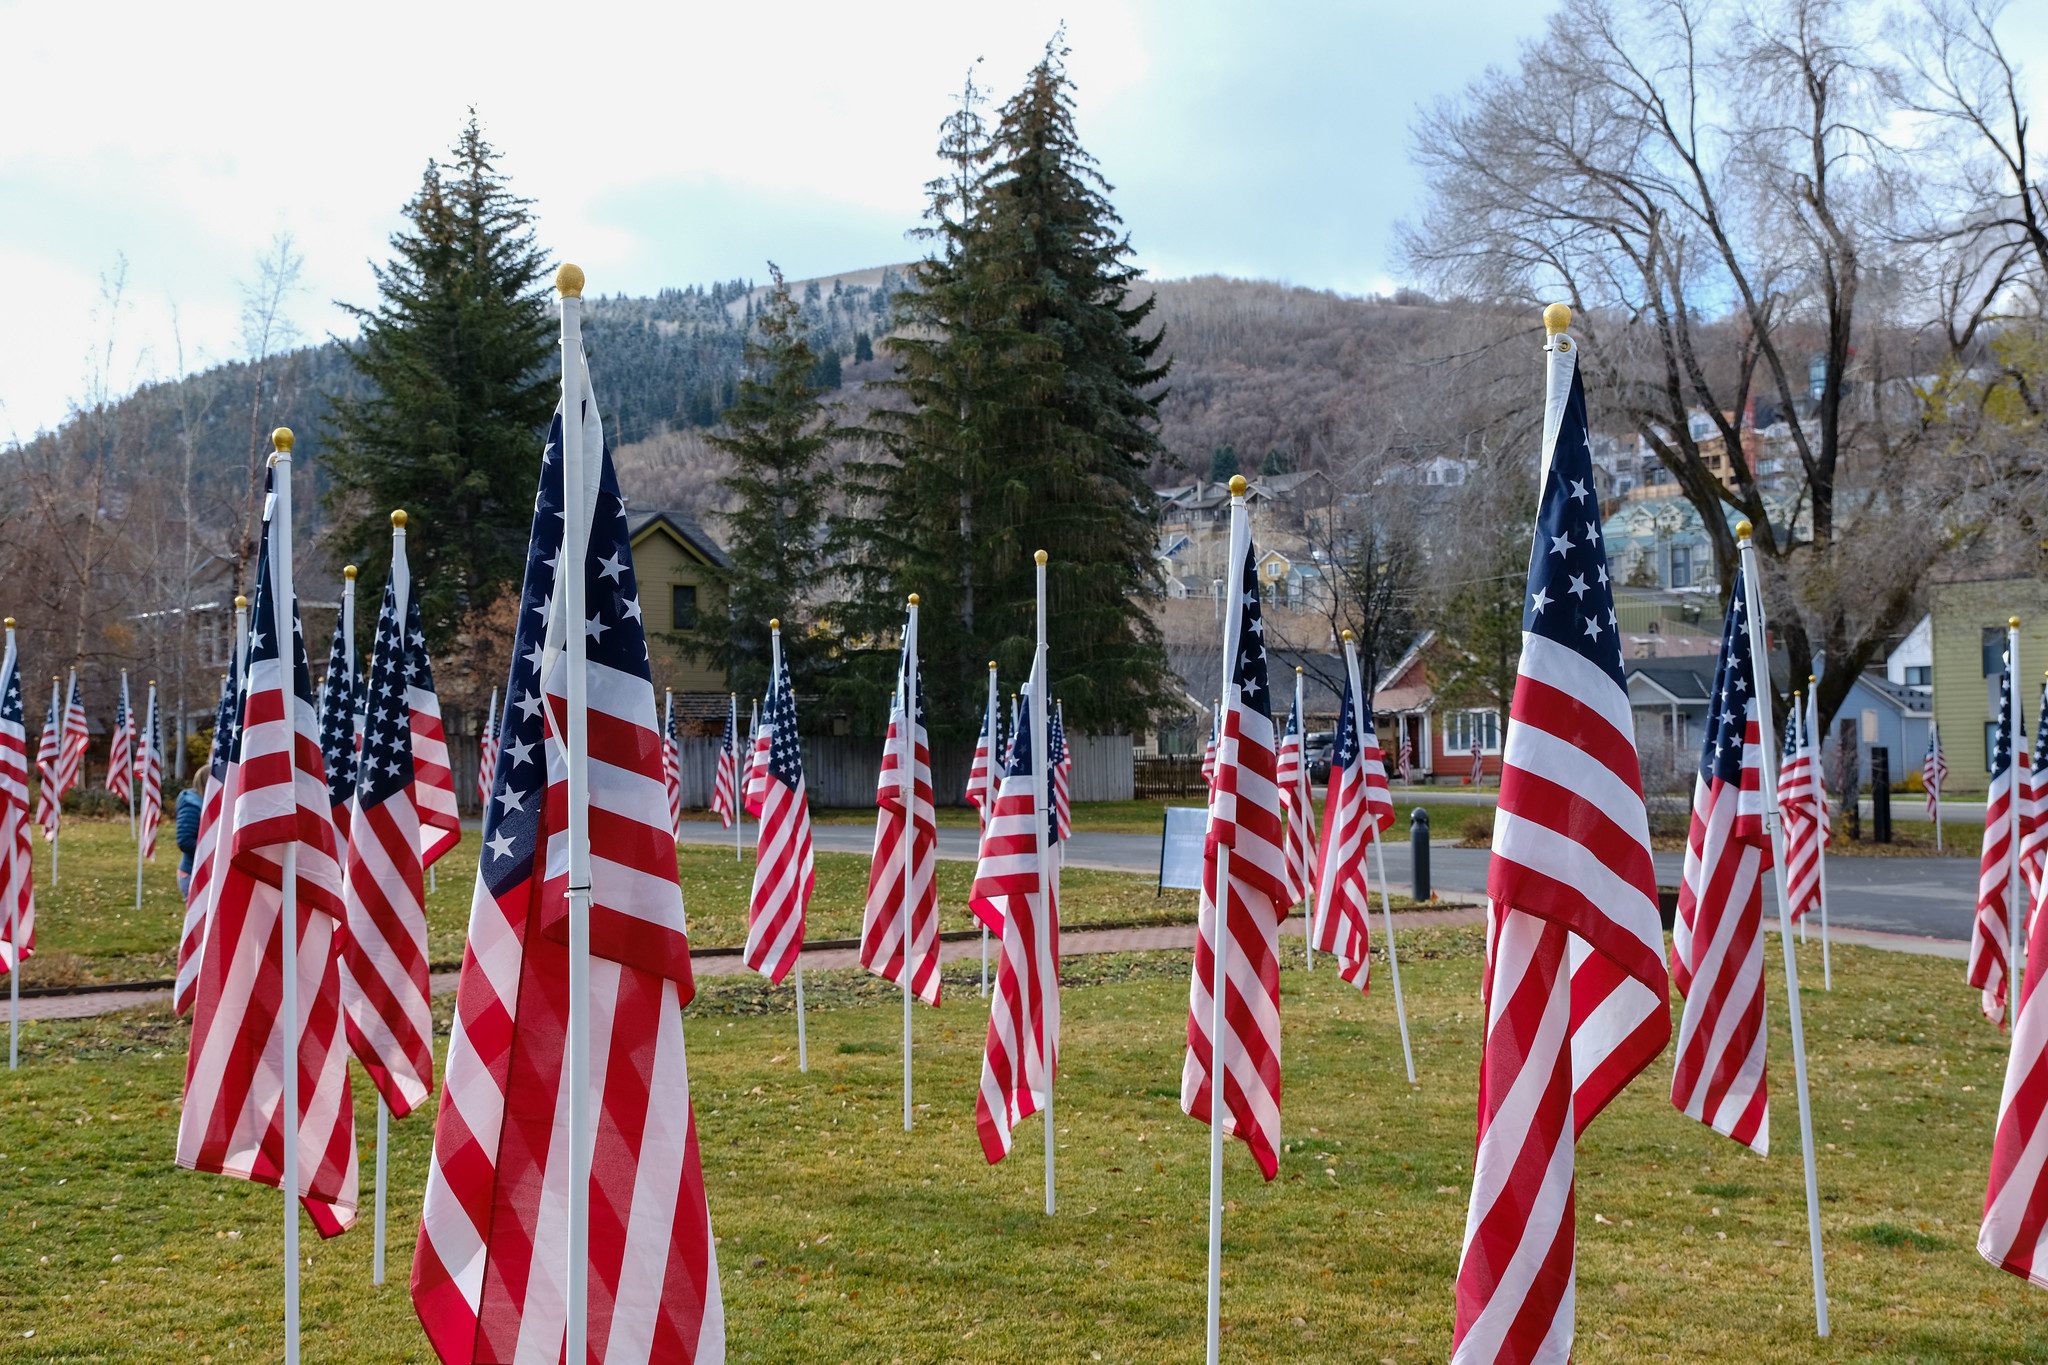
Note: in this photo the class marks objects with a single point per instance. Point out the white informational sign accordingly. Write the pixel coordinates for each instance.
(1180, 847)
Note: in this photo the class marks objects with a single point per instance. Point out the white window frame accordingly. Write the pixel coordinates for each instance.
(1458, 733)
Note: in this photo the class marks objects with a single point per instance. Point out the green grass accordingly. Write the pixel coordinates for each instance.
(842, 1238)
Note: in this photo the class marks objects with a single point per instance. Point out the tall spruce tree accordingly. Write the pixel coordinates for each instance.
(459, 356)
(1031, 419)
(775, 439)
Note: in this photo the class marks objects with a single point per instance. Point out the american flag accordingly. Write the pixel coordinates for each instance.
(1021, 1053)
(784, 875)
(1407, 758)
(981, 773)
(1804, 834)
(433, 791)
(17, 871)
(1297, 799)
(77, 735)
(487, 753)
(1060, 759)
(1358, 803)
(755, 788)
(1209, 750)
(1575, 978)
(384, 957)
(338, 742)
(1244, 817)
(490, 1269)
(1934, 772)
(149, 776)
(1478, 755)
(121, 748)
(1990, 938)
(2014, 1234)
(231, 1122)
(49, 766)
(2034, 807)
(725, 782)
(671, 765)
(902, 832)
(200, 892)
(1717, 950)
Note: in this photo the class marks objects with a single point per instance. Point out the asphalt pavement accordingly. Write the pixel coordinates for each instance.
(1926, 897)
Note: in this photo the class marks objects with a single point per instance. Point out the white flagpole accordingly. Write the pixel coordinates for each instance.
(401, 585)
(135, 770)
(745, 762)
(739, 777)
(128, 710)
(56, 798)
(1760, 680)
(1219, 947)
(668, 720)
(281, 626)
(1820, 786)
(1379, 850)
(1041, 786)
(2015, 920)
(992, 724)
(569, 591)
(1304, 809)
(14, 902)
(803, 1053)
(907, 770)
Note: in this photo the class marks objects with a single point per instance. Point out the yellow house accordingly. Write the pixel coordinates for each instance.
(1969, 654)
(676, 562)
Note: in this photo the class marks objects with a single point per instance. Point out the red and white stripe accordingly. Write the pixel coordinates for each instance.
(121, 748)
(77, 735)
(784, 873)
(1244, 817)
(50, 767)
(17, 867)
(149, 775)
(1020, 1055)
(487, 752)
(725, 781)
(433, 775)
(888, 922)
(231, 1121)
(1358, 800)
(1062, 777)
(1297, 800)
(755, 789)
(1991, 937)
(981, 772)
(671, 764)
(1803, 832)
(2014, 1234)
(2034, 807)
(1934, 770)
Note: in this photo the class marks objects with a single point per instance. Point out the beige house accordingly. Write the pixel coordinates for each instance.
(677, 564)
(1969, 620)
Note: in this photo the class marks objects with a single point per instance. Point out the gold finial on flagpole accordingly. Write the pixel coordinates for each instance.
(398, 520)
(2013, 622)
(241, 602)
(1039, 556)
(991, 665)
(1298, 669)
(775, 623)
(348, 571)
(914, 599)
(1743, 529)
(1349, 637)
(1812, 678)
(1557, 318)
(569, 281)
(281, 440)
(10, 623)
(1237, 485)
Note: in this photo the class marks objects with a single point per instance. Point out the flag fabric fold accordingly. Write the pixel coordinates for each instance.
(50, 767)
(672, 767)
(147, 778)
(1341, 917)
(1717, 951)
(487, 753)
(1297, 801)
(1990, 934)
(17, 867)
(1245, 910)
(1934, 772)
(77, 737)
(489, 1272)
(784, 873)
(2014, 1233)
(433, 780)
(121, 749)
(725, 780)
(1575, 986)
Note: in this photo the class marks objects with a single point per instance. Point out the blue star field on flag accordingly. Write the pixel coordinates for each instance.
(1727, 721)
(2002, 740)
(1571, 600)
(1248, 670)
(386, 767)
(338, 718)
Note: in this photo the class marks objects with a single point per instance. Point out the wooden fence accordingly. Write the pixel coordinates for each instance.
(839, 770)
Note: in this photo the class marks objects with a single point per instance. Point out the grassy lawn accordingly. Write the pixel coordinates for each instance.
(842, 1238)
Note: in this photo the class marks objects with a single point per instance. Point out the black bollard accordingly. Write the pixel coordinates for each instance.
(1418, 845)
(1880, 794)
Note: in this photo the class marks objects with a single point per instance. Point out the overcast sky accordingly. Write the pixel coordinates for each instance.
(664, 144)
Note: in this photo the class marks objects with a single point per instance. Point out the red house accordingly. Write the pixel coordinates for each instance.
(1438, 738)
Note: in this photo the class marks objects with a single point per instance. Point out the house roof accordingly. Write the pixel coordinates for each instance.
(1909, 701)
(1685, 679)
(683, 527)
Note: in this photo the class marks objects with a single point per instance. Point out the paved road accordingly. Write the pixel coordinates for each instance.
(1927, 897)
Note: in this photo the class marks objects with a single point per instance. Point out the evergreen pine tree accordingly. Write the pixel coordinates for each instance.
(1223, 463)
(458, 354)
(775, 440)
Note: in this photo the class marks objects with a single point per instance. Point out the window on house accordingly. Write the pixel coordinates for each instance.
(1919, 675)
(1993, 650)
(683, 606)
(1461, 726)
(1681, 566)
